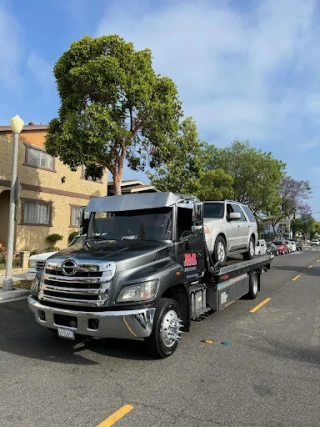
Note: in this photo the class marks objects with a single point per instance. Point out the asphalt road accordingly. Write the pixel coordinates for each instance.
(268, 376)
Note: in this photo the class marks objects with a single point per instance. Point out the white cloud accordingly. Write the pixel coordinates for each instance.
(40, 69)
(11, 50)
(234, 69)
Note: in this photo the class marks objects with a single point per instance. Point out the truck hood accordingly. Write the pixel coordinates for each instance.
(126, 253)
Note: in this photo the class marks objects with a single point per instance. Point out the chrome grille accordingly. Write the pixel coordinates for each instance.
(71, 282)
(40, 265)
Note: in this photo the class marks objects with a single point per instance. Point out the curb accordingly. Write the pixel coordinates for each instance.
(14, 295)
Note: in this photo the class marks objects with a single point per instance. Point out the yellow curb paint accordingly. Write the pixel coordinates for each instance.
(310, 266)
(295, 278)
(116, 416)
(256, 308)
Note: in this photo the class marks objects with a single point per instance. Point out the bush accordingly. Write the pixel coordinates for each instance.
(54, 238)
(52, 248)
(72, 236)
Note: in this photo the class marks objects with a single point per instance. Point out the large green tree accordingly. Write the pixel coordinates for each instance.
(113, 107)
(181, 172)
(215, 185)
(256, 174)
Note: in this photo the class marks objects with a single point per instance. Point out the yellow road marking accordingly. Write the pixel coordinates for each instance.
(116, 416)
(295, 278)
(310, 266)
(256, 308)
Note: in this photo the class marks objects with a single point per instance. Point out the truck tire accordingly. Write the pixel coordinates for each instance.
(220, 251)
(253, 285)
(167, 321)
(250, 254)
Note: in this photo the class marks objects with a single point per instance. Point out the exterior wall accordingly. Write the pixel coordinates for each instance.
(61, 186)
(31, 137)
(33, 237)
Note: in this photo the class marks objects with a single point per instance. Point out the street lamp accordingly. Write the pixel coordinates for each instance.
(16, 124)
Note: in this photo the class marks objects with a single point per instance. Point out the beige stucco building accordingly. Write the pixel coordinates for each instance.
(50, 194)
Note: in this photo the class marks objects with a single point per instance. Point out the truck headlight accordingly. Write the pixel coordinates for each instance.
(35, 287)
(140, 292)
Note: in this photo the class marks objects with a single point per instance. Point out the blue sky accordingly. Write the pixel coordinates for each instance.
(245, 69)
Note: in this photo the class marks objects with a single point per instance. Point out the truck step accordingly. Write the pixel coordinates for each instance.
(200, 314)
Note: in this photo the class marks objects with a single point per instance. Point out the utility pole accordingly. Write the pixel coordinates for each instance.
(16, 124)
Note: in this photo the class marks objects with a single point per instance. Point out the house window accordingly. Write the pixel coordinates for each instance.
(35, 212)
(83, 175)
(39, 158)
(75, 216)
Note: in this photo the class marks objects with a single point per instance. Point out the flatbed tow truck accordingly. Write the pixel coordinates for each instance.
(144, 272)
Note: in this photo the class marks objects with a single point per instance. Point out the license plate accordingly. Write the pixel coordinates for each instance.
(66, 333)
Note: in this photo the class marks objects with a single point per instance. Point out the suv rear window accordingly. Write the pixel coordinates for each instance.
(249, 214)
(213, 210)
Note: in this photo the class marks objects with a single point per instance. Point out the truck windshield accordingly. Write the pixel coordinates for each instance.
(213, 210)
(147, 224)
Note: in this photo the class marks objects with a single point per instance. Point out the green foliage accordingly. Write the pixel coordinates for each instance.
(256, 174)
(113, 106)
(54, 238)
(72, 236)
(52, 248)
(215, 185)
(181, 172)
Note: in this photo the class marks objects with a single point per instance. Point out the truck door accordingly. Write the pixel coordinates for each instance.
(190, 245)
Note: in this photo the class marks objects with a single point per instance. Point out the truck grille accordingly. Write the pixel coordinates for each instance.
(40, 265)
(70, 283)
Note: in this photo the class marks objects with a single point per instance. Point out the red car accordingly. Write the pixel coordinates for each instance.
(282, 247)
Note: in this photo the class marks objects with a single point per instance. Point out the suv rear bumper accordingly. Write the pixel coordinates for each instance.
(126, 324)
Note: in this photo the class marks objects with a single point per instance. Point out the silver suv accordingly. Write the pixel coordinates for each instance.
(230, 227)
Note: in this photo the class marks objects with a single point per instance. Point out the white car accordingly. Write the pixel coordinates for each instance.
(291, 245)
(261, 247)
(37, 262)
(230, 227)
(315, 242)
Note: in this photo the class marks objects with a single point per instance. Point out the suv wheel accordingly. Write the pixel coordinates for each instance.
(250, 254)
(220, 250)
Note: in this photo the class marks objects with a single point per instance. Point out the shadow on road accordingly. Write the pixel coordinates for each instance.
(22, 336)
(314, 271)
(292, 351)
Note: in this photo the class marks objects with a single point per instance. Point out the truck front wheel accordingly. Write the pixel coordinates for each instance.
(166, 330)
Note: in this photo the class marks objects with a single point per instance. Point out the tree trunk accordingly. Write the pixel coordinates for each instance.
(117, 184)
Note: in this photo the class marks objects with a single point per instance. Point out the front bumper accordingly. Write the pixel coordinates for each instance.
(126, 324)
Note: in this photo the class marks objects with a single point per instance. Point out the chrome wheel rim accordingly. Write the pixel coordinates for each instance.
(255, 284)
(221, 252)
(170, 328)
(251, 248)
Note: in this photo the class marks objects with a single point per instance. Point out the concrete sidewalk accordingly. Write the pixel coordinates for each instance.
(18, 292)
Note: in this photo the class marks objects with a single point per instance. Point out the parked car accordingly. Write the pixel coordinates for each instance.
(291, 245)
(230, 227)
(282, 247)
(298, 244)
(37, 262)
(315, 242)
(272, 249)
(261, 247)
